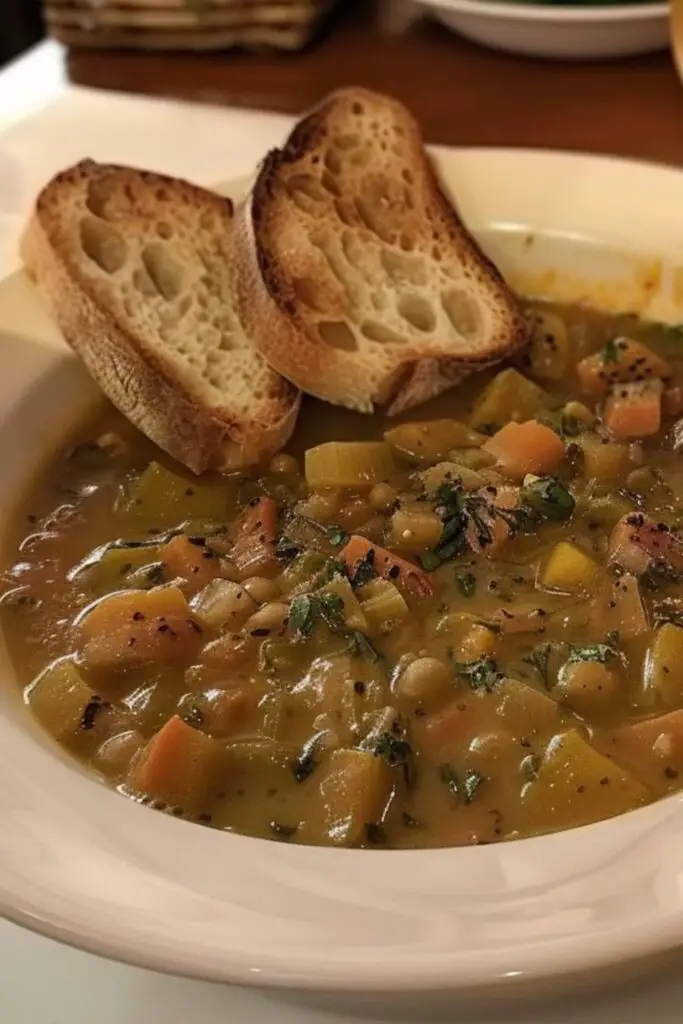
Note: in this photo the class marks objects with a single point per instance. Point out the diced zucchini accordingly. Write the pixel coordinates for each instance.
(576, 785)
(58, 698)
(509, 396)
(167, 497)
(432, 440)
(569, 569)
(664, 667)
(352, 464)
(450, 472)
(354, 793)
(604, 462)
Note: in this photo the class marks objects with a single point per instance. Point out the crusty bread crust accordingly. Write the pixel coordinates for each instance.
(338, 192)
(158, 390)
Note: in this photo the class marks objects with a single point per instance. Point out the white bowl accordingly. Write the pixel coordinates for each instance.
(545, 30)
(82, 864)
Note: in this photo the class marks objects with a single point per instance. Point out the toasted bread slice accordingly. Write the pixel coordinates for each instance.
(358, 281)
(138, 271)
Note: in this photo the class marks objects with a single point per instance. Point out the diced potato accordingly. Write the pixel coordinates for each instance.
(137, 626)
(432, 440)
(523, 710)
(414, 529)
(382, 603)
(195, 565)
(549, 350)
(653, 744)
(354, 793)
(168, 497)
(441, 735)
(354, 615)
(449, 472)
(579, 414)
(664, 667)
(603, 461)
(622, 611)
(353, 464)
(181, 767)
(58, 698)
(223, 603)
(569, 569)
(509, 396)
(576, 785)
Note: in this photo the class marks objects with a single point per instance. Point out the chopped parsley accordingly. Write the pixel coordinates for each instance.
(307, 610)
(547, 498)
(337, 536)
(481, 674)
(467, 583)
(609, 353)
(465, 787)
(396, 752)
(591, 652)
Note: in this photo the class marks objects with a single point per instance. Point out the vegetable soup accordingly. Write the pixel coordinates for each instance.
(455, 628)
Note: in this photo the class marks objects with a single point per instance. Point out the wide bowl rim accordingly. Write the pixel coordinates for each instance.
(590, 14)
(383, 968)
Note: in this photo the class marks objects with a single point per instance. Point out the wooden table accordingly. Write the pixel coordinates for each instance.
(463, 94)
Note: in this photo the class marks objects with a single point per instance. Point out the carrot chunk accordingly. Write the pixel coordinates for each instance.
(634, 410)
(620, 361)
(522, 448)
(638, 542)
(181, 767)
(402, 572)
(187, 561)
(253, 551)
(137, 626)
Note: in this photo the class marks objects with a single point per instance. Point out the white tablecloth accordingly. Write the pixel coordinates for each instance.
(45, 124)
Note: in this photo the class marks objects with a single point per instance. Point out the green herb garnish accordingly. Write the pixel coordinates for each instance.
(396, 752)
(302, 615)
(307, 762)
(362, 647)
(609, 353)
(548, 498)
(464, 788)
(591, 652)
(376, 834)
(481, 674)
(467, 583)
(364, 572)
(337, 536)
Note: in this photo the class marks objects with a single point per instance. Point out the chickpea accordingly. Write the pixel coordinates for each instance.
(260, 589)
(382, 497)
(116, 754)
(424, 681)
(270, 617)
(355, 513)
(284, 464)
(479, 642)
(587, 687)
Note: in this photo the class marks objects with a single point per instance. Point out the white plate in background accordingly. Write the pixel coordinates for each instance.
(574, 32)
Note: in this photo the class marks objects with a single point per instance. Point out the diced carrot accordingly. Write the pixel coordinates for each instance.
(672, 400)
(187, 561)
(621, 361)
(638, 540)
(402, 572)
(522, 448)
(634, 410)
(137, 626)
(253, 551)
(181, 767)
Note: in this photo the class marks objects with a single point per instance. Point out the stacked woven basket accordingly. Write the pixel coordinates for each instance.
(186, 24)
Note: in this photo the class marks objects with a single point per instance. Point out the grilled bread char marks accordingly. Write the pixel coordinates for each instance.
(358, 280)
(138, 269)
